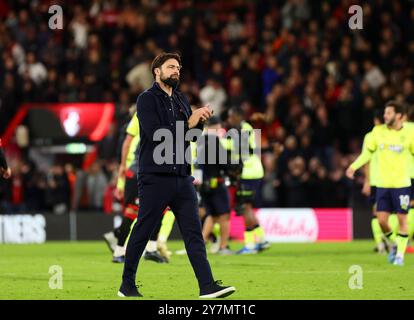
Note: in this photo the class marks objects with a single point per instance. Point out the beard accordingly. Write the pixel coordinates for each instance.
(170, 81)
(390, 122)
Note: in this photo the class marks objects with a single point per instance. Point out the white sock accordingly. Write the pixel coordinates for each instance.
(151, 246)
(119, 251)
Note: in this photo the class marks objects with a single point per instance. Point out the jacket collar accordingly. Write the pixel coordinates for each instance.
(157, 89)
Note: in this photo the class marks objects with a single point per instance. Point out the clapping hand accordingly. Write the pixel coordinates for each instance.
(201, 114)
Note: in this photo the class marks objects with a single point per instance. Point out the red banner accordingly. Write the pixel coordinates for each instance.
(64, 121)
(299, 225)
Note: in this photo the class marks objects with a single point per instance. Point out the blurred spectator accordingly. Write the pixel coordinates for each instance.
(295, 183)
(323, 137)
(79, 26)
(271, 75)
(35, 186)
(373, 75)
(140, 76)
(108, 146)
(96, 183)
(35, 69)
(271, 183)
(50, 87)
(69, 91)
(290, 151)
(213, 94)
(234, 27)
(89, 188)
(71, 174)
(345, 115)
(294, 10)
(237, 94)
(306, 149)
(95, 77)
(319, 185)
(58, 189)
(13, 192)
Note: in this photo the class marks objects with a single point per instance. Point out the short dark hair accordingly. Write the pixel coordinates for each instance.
(398, 106)
(161, 58)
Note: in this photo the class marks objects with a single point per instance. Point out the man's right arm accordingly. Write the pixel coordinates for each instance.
(368, 149)
(363, 158)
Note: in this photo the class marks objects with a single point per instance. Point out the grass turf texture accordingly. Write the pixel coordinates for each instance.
(285, 271)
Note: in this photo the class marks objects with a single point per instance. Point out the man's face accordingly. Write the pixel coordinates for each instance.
(170, 72)
(390, 116)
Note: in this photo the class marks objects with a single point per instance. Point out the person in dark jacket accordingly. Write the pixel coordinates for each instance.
(164, 175)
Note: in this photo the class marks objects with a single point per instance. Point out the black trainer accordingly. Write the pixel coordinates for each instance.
(215, 290)
(155, 256)
(128, 291)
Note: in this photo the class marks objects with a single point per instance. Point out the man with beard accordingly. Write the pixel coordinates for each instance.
(164, 179)
(370, 189)
(394, 144)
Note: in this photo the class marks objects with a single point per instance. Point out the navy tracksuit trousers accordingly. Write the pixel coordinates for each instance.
(156, 192)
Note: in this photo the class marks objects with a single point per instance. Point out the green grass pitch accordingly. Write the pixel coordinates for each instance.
(285, 271)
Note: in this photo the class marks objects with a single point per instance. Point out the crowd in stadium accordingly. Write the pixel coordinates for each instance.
(297, 70)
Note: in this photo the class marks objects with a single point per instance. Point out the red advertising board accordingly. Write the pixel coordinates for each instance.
(299, 225)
